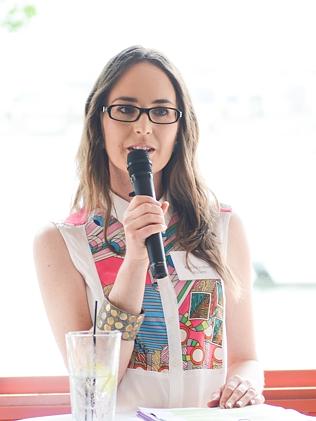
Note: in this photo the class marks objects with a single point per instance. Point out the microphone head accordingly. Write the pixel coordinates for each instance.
(138, 162)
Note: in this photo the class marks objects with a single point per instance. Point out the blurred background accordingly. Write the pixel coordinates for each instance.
(251, 69)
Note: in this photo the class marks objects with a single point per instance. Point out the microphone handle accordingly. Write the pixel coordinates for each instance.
(143, 185)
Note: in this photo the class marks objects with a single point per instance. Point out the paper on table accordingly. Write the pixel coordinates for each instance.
(249, 413)
(182, 414)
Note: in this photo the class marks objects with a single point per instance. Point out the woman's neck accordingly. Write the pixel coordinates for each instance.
(123, 188)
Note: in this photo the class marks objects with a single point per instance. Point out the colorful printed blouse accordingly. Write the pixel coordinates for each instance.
(179, 355)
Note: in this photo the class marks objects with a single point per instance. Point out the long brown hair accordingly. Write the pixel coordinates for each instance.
(197, 210)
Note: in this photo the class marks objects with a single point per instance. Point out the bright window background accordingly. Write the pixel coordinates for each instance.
(251, 70)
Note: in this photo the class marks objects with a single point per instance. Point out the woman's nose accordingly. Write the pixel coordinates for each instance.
(143, 125)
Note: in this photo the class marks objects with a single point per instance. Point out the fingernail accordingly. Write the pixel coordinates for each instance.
(239, 404)
(228, 405)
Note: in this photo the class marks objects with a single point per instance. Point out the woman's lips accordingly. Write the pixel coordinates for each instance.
(149, 149)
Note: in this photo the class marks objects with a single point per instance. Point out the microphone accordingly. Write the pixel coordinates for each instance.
(140, 171)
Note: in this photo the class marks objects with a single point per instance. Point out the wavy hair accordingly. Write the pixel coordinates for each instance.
(197, 210)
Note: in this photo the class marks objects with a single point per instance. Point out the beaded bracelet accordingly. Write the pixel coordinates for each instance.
(112, 318)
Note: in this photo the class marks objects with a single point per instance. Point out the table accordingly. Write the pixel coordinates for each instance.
(249, 413)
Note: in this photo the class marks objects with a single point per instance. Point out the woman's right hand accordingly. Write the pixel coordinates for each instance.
(143, 217)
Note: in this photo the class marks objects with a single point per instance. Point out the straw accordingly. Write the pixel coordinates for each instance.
(95, 320)
(92, 397)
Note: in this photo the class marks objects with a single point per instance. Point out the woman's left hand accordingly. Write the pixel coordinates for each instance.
(237, 392)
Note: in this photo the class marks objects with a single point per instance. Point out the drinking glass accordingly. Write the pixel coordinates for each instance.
(93, 361)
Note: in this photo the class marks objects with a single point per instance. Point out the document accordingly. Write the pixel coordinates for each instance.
(249, 413)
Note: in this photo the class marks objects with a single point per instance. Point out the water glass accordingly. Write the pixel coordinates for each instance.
(93, 368)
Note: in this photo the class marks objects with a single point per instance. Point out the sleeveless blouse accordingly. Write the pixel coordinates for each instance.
(179, 357)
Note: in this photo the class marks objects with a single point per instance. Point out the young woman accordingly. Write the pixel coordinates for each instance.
(187, 339)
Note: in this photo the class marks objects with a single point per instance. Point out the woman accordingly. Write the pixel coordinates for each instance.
(193, 342)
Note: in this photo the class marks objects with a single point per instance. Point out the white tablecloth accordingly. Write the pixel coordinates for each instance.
(249, 413)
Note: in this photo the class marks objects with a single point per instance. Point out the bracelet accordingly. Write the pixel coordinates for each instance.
(113, 318)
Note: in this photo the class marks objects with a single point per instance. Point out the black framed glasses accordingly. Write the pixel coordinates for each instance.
(129, 113)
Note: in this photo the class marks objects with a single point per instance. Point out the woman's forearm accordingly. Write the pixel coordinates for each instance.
(127, 294)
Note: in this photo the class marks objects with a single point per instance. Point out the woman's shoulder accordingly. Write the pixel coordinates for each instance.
(229, 218)
(224, 214)
(48, 239)
(48, 232)
(55, 268)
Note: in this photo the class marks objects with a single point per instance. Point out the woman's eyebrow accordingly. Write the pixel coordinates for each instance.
(133, 99)
(162, 101)
(125, 98)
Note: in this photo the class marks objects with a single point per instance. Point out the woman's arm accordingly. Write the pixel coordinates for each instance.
(64, 291)
(62, 286)
(245, 379)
